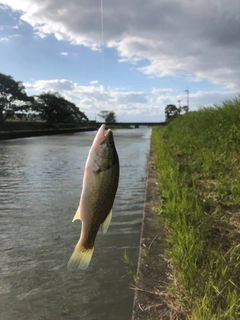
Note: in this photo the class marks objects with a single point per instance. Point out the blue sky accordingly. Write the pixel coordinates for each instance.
(149, 52)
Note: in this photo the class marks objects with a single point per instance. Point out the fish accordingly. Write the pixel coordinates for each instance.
(99, 187)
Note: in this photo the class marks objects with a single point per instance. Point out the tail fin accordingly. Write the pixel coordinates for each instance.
(80, 258)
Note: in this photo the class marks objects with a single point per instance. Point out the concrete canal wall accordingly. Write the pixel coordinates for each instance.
(149, 298)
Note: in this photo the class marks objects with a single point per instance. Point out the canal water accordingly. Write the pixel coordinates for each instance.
(40, 185)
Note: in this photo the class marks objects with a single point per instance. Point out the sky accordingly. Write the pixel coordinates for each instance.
(132, 57)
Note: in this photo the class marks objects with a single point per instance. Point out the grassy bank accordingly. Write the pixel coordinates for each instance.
(198, 163)
(26, 129)
(35, 125)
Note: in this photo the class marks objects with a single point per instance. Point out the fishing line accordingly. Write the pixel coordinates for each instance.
(103, 67)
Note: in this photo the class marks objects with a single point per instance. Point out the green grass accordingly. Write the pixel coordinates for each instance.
(35, 125)
(198, 163)
(22, 126)
(129, 268)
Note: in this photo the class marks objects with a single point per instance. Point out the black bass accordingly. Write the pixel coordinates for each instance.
(100, 183)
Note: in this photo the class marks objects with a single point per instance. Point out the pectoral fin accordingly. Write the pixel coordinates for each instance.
(106, 222)
(77, 215)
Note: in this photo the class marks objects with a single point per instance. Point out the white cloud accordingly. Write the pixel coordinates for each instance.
(198, 99)
(50, 85)
(94, 82)
(128, 105)
(131, 97)
(162, 91)
(196, 39)
(91, 99)
(64, 53)
(22, 5)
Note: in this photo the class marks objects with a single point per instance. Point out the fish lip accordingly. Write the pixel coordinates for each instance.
(106, 137)
(103, 129)
(102, 136)
(103, 133)
(109, 131)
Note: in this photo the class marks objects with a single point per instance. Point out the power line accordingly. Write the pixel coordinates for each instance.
(187, 97)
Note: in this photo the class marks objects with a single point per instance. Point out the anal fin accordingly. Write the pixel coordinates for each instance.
(77, 215)
(106, 222)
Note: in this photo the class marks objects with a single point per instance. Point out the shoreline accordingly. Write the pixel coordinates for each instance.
(7, 135)
(149, 299)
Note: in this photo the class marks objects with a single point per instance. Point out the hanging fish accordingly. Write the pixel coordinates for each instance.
(100, 183)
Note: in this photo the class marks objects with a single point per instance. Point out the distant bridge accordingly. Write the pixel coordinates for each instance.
(132, 124)
(94, 124)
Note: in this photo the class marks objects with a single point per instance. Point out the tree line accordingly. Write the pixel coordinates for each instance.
(49, 106)
(171, 111)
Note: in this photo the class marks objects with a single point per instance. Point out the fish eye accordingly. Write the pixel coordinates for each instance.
(110, 143)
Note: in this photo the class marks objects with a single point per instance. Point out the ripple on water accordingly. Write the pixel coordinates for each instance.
(40, 185)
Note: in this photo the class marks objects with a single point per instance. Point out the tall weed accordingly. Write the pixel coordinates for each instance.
(198, 162)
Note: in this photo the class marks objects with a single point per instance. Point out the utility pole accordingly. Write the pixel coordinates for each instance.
(187, 97)
(179, 103)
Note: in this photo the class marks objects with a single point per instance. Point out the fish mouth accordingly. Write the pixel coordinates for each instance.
(102, 132)
(102, 136)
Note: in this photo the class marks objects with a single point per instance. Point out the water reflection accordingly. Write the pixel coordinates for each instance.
(40, 184)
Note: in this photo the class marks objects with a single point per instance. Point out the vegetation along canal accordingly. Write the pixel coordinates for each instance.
(40, 185)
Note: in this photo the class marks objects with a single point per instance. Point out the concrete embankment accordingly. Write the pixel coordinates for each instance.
(5, 135)
(150, 298)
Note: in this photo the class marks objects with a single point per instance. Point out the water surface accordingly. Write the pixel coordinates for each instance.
(40, 185)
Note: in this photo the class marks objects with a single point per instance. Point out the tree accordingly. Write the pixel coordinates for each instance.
(171, 111)
(52, 107)
(12, 97)
(74, 114)
(185, 109)
(108, 116)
